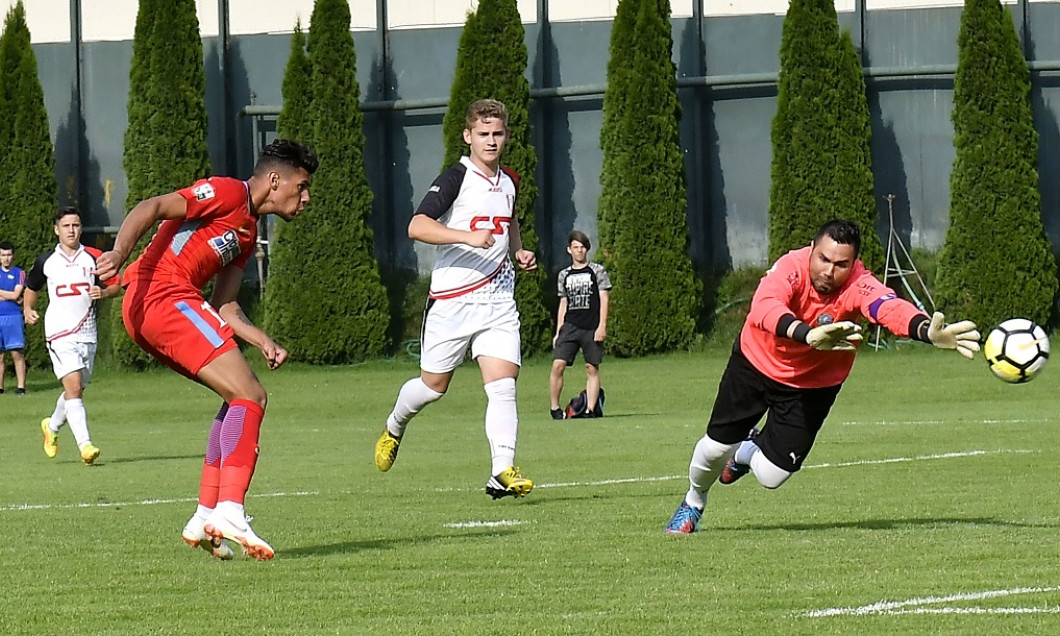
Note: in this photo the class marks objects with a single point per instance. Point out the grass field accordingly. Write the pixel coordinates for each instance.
(929, 506)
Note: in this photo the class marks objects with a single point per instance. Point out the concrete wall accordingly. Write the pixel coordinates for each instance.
(406, 51)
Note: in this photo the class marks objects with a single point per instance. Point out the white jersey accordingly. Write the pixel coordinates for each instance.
(465, 198)
(71, 312)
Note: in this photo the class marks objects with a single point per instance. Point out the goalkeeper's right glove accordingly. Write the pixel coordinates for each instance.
(837, 336)
(962, 336)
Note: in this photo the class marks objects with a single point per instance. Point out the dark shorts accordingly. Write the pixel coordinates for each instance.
(12, 335)
(793, 416)
(571, 339)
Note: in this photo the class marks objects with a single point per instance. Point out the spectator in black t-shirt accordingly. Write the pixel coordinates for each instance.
(581, 322)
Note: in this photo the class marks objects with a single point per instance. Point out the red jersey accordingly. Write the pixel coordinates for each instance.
(218, 230)
(786, 290)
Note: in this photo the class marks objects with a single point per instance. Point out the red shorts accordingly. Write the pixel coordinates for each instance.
(181, 330)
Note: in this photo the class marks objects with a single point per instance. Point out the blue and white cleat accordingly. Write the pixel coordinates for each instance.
(685, 520)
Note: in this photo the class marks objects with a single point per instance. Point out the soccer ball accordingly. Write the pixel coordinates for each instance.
(1017, 350)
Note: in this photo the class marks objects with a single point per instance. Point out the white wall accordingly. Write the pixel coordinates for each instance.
(762, 7)
(279, 16)
(411, 14)
(48, 20)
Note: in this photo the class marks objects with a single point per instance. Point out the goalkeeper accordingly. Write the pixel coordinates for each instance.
(792, 356)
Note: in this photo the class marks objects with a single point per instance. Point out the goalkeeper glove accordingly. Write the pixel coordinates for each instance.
(837, 336)
(961, 336)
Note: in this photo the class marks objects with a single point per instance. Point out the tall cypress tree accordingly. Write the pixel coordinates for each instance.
(138, 142)
(293, 122)
(340, 313)
(28, 192)
(997, 262)
(620, 82)
(165, 144)
(655, 298)
(491, 63)
(821, 160)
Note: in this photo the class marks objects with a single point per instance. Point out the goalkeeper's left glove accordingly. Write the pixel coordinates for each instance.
(961, 336)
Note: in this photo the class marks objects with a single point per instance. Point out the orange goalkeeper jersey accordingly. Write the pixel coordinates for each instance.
(786, 290)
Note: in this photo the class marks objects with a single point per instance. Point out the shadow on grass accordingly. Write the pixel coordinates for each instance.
(386, 544)
(887, 524)
(150, 458)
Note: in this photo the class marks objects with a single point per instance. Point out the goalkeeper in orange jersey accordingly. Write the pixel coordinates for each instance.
(793, 354)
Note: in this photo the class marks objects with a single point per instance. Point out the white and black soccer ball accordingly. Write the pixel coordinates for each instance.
(1017, 350)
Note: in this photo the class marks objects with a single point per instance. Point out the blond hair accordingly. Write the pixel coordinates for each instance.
(486, 109)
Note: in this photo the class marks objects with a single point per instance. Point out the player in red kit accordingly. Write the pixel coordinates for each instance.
(208, 231)
(793, 354)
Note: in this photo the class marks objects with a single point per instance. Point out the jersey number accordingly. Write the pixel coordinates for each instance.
(495, 224)
(74, 289)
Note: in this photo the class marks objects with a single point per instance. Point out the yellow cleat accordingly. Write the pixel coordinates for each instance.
(386, 450)
(510, 482)
(89, 453)
(51, 440)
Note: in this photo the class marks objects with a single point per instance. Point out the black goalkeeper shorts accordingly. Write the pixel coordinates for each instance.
(793, 415)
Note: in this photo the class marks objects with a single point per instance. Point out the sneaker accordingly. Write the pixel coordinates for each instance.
(733, 470)
(89, 453)
(685, 520)
(509, 482)
(386, 450)
(51, 440)
(20, 391)
(218, 527)
(557, 414)
(194, 536)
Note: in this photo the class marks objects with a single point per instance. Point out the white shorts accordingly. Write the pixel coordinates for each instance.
(69, 356)
(450, 325)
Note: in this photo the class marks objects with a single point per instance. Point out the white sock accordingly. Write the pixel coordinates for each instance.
(413, 396)
(231, 509)
(202, 511)
(502, 422)
(767, 473)
(745, 452)
(708, 459)
(59, 414)
(78, 419)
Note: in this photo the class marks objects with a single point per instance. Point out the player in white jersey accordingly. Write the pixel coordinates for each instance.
(69, 326)
(469, 212)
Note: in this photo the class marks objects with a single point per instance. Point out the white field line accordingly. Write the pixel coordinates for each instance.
(566, 484)
(864, 462)
(1034, 420)
(145, 502)
(919, 605)
(483, 524)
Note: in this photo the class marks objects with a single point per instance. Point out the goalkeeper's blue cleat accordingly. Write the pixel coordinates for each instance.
(685, 520)
(733, 470)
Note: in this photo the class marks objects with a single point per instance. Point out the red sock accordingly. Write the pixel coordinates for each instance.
(239, 449)
(209, 484)
(211, 468)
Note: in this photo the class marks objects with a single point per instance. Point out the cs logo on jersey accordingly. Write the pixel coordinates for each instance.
(825, 319)
(203, 192)
(226, 246)
(495, 224)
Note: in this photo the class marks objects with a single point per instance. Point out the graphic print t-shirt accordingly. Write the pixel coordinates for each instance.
(581, 287)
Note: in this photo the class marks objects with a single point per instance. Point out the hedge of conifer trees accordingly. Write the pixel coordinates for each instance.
(997, 262)
(165, 143)
(324, 300)
(656, 296)
(28, 190)
(821, 134)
